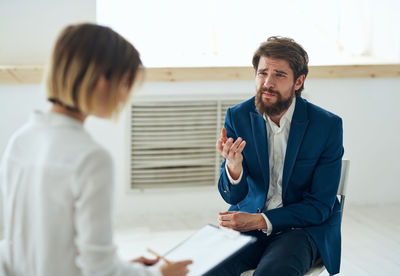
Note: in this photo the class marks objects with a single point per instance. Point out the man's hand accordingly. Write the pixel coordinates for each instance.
(232, 152)
(241, 221)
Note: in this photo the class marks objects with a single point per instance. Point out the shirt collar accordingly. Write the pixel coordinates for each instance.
(286, 118)
(55, 119)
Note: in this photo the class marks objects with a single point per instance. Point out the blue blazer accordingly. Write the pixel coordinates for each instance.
(310, 179)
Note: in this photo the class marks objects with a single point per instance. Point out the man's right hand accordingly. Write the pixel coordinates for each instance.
(232, 152)
(175, 268)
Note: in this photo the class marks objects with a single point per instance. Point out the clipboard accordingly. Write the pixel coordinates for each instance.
(209, 247)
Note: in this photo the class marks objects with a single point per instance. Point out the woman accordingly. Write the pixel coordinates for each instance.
(56, 181)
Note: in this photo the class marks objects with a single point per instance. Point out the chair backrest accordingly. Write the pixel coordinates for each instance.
(343, 177)
(342, 184)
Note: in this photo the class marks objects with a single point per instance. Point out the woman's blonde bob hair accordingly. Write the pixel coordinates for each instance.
(82, 54)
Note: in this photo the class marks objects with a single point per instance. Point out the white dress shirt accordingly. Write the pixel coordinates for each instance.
(57, 187)
(277, 142)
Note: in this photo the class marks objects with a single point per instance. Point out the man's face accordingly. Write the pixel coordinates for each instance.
(275, 86)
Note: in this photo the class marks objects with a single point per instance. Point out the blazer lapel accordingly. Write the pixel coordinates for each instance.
(259, 132)
(297, 129)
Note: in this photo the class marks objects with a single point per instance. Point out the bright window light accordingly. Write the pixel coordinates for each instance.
(188, 33)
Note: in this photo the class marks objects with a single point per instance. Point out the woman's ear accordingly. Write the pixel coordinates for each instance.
(102, 84)
(100, 100)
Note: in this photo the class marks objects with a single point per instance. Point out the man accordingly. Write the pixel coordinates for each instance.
(281, 170)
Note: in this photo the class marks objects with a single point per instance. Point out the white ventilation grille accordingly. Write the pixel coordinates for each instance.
(173, 142)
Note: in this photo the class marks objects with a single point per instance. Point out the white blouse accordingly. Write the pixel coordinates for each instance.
(57, 188)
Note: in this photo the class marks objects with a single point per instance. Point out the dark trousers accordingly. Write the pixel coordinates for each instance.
(291, 252)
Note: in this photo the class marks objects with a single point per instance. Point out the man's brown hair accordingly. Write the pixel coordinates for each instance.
(286, 49)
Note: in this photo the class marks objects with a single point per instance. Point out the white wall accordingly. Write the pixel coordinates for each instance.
(371, 124)
(371, 131)
(28, 28)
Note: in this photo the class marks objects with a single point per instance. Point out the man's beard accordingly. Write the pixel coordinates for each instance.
(275, 109)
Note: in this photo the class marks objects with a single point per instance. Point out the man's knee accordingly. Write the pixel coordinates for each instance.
(278, 269)
(292, 253)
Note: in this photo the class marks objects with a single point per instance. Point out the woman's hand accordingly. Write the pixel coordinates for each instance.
(145, 261)
(175, 268)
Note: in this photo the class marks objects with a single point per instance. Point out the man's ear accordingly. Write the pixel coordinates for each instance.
(299, 82)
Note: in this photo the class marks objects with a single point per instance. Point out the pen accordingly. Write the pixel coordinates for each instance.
(158, 255)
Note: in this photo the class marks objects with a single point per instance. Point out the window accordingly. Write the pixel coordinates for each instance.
(177, 33)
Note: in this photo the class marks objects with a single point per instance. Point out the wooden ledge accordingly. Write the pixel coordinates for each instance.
(33, 74)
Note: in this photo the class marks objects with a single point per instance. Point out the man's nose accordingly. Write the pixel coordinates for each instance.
(269, 82)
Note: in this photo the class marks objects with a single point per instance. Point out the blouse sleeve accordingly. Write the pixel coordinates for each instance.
(93, 220)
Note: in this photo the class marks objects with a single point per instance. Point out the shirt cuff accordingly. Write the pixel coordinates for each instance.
(267, 231)
(231, 180)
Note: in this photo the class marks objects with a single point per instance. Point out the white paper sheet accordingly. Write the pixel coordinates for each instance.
(208, 247)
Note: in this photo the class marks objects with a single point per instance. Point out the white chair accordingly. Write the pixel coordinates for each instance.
(318, 266)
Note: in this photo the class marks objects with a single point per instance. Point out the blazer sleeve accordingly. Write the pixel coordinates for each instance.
(232, 194)
(318, 200)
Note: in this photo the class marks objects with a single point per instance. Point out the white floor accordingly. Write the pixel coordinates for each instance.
(371, 238)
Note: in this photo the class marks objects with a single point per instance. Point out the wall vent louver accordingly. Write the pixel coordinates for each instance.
(173, 142)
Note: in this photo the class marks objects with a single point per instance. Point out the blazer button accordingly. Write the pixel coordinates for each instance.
(224, 191)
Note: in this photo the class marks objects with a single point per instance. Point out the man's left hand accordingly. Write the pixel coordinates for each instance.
(241, 221)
